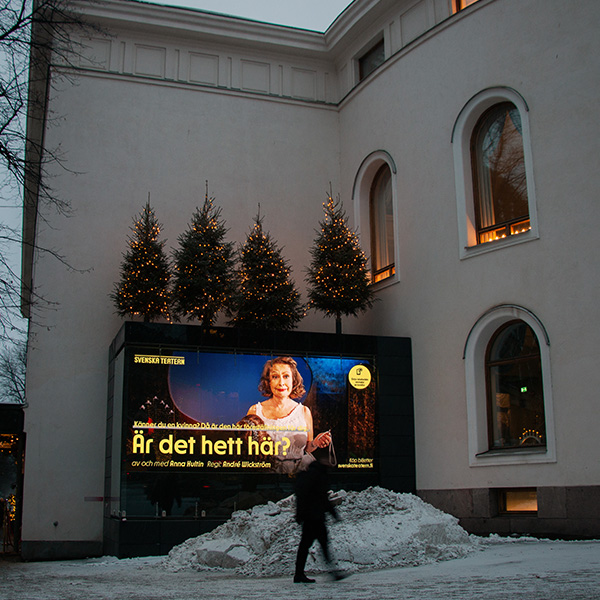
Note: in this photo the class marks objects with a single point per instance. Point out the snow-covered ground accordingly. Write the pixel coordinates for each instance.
(395, 546)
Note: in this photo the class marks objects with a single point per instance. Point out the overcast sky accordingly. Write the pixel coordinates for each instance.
(317, 15)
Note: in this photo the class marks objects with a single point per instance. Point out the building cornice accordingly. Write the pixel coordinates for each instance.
(206, 25)
(216, 27)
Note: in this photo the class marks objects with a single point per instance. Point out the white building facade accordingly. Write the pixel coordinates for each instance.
(420, 113)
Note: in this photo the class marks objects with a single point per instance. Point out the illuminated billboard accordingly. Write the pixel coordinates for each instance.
(203, 422)
(232, 412)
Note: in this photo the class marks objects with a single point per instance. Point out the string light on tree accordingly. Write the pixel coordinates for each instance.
(204, 266)
(338, 278)
(267, 297)
(145, 272)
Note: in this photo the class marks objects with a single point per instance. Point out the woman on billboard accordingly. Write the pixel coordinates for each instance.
(287, 421)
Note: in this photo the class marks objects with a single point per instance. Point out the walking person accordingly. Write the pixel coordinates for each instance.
(312, 505)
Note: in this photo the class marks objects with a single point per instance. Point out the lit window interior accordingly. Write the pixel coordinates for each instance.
(520, 500)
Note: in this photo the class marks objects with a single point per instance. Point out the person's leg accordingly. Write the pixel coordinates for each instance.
(308, 537)
(322, 538)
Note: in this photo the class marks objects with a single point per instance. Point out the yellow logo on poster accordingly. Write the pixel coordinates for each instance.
(149, 359)
(359, 377)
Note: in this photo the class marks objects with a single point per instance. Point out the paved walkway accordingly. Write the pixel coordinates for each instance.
(510, 571)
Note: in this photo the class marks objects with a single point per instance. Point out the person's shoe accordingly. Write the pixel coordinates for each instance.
(338, 575)
(303, 579)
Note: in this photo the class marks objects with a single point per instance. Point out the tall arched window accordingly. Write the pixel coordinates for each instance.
(493, 173)
(509, 389)
(499, 181)
(381, 214)
(374, 195)
(515, 390)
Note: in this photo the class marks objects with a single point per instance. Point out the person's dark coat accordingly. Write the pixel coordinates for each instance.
(312, 494)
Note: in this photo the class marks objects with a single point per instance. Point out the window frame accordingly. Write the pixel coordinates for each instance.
(507, 225)
(464, 126)
(373, 49)
(361, 198)
(380, 272)
(477, 397)
(380, 40)
(503, 494)
(489, 391)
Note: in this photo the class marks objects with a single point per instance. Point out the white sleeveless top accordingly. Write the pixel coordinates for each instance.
(297, 434)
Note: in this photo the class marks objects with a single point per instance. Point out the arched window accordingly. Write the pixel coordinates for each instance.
(375, 201)
(509, 389)
(515, 391)
(493, 173)
(381, 214)
(499, 180)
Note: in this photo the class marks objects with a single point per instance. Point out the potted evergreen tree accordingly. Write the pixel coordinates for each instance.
(204, 281)
(143, 289)
(338, 278)
(267, 297)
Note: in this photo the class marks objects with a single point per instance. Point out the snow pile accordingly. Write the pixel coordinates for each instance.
(378, 528)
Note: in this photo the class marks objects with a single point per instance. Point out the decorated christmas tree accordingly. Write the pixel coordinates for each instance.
(338, 278)
(267, 297)
(145, 273)
(204, 267)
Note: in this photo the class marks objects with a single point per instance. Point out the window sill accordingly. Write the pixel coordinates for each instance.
(521, 450)
(384, 283)
(517, 513)
(513, 456)
(469, 251)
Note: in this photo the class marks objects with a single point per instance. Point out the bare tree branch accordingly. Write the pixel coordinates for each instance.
(12, 373)
(34, 35)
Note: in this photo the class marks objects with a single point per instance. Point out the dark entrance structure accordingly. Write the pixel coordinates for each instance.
(12, 450)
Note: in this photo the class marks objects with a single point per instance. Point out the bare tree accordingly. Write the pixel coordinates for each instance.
(12, 373)
(33, 35)
(11, 324)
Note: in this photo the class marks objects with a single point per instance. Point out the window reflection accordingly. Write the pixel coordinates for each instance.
(499, 181)
(369, 61)
(382, 225)
(518, 500)
(515, 391)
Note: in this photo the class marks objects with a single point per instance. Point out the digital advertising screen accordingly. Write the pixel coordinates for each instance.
(230, 412)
